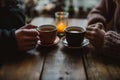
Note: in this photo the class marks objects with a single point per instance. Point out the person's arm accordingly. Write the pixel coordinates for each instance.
(7, 41)
(17, 17)
(103, 13)
(107, 42)
(11, 18)
(22, 39)
(112, 43)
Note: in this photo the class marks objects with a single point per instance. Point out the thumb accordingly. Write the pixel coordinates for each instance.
(100, 25)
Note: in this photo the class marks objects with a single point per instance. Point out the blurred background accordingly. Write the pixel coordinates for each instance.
(47, 8)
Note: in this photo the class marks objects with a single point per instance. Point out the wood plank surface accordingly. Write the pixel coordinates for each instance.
(99, 67)
(64, 64)
(59, 62)
(24, 67)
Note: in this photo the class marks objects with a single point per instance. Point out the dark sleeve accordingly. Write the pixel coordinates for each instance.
(102, 13)
(8, 43)
(19, 17)
(11, 18)
(112, 44)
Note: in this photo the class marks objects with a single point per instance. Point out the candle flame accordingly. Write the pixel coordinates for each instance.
(61, 26)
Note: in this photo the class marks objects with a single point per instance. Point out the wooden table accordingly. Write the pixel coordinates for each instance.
(59, 62)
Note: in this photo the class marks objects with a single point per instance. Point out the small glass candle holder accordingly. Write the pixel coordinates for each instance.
(61, 22)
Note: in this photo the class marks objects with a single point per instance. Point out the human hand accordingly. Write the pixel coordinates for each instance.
(95, 33)
(117, 2)
(27, 37)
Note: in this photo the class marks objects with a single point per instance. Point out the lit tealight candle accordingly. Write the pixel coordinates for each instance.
(61, 22)
(61, 26)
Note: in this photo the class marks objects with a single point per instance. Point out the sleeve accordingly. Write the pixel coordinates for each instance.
(112, 44)
(102, 13)
(8, 43)
(18, 16)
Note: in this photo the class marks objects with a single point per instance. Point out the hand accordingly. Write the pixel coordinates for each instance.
(27, 37)
(95, 33)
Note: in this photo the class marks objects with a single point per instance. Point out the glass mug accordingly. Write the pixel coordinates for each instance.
(61, 22)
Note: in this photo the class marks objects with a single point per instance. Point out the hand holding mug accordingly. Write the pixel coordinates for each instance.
(95, 33)
(27, 37)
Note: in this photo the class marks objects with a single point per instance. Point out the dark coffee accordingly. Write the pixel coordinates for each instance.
(75, 31)
(74, 35)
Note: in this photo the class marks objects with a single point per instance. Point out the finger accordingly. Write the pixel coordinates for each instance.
(100, 25)
(92, 25)
(31, 39)
(31, 32)
(29, 26)
(96, 29)
(91, 33)
(34, 31)
(89, 28)
(89, 36)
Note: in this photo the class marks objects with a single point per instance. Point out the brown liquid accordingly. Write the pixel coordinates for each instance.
(75, 31)
(47, 29)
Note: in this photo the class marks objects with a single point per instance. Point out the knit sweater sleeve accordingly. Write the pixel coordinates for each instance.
(112, 44)
(102, 13)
